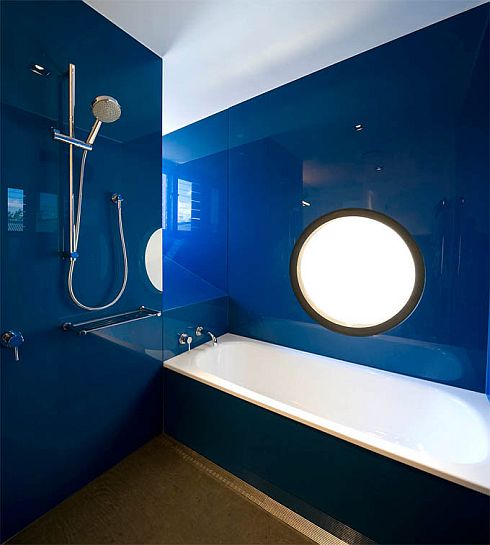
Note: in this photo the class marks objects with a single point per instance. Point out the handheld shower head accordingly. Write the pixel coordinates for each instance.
(106, 110)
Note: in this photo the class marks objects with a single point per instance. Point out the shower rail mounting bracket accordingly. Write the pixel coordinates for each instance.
(59, 136)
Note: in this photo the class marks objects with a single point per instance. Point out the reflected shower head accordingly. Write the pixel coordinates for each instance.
(106, 110)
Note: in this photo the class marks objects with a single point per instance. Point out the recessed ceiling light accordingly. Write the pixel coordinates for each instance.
(39, 69)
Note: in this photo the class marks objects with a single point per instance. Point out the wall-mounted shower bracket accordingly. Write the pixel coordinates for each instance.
(57, 135)
(70, 255)
(116, 198)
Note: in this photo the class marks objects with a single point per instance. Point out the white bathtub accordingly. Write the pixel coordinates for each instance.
(439, 429)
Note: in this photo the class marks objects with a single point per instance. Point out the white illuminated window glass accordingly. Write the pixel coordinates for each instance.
(356, 272)
(153, 259)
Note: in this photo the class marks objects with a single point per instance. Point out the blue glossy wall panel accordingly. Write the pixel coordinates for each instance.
(211, 314)
(195, 212)
(195, 236)
(74, 405)
(422, 158)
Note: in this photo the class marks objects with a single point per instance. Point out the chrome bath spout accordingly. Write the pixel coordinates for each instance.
(200, 330)
(213, 338)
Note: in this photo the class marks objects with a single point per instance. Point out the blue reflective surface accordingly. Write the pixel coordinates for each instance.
(195, 236)
(211, 314)
(73, 406)
(421, 158)
(195, 212)
(320, 476)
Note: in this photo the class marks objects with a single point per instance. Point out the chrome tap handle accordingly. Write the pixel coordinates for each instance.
(185, 339)
(199, 330)
(12, 339)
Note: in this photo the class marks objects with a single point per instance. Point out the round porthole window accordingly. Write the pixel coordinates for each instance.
(153, 259)
(357, 272)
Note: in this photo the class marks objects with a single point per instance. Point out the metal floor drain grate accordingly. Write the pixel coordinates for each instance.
(276, 509)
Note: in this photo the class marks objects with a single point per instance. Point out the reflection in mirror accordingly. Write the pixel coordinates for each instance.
(188, 205)
(357, 272)
(15, 209)
(153, 259)
(47, 216)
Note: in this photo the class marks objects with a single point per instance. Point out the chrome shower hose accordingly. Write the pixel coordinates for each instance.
(76, 228)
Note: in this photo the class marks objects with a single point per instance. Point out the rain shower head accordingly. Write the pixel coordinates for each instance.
(106, 110)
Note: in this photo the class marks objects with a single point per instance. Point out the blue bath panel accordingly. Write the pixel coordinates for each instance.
(321, 476)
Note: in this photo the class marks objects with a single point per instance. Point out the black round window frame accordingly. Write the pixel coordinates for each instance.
(395, 320)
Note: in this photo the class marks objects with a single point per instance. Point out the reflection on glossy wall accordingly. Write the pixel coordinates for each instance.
(73, 405)
(195, 231)
(401, 129)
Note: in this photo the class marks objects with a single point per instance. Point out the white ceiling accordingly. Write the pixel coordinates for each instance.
(218, 53)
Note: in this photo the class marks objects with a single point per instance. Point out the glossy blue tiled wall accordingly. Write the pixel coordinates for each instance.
(195, 236)
(74, 406)
(421, 158)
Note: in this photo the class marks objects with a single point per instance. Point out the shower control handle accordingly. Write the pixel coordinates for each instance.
(12, 339)
(185, 339)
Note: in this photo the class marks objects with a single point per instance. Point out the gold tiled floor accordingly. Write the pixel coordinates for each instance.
(157, 496)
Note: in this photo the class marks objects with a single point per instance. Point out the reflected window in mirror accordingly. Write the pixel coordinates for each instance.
(15, 209)
(153, 259)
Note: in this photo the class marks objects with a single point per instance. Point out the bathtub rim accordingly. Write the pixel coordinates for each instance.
(375, 444)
